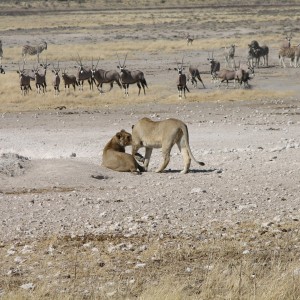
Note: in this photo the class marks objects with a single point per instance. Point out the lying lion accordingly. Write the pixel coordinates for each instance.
(162, 134)
(114, 156)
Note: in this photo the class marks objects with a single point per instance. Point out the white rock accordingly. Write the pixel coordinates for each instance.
(196, 190)
(27, 286)
(26, 249)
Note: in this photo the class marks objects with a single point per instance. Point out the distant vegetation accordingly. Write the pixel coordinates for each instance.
(121, 4)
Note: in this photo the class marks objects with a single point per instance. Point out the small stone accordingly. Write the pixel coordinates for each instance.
(27, 286)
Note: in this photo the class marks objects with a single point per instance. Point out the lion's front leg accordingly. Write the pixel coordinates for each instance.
(148, 153)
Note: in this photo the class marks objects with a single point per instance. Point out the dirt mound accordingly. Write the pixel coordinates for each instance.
(12, 164)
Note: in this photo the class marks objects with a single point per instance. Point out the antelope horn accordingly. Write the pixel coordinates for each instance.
(182, 62)
(97, 62)
(80, 63)
(118, 60)
(125, 60)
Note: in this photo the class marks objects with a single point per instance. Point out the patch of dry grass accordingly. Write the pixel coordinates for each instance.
(12, 100)
(246, 262)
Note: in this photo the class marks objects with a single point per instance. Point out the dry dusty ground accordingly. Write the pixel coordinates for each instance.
(251, 152)
(52, 187)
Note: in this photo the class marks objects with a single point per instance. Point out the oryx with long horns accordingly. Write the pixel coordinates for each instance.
(129, 77)
(101, 76)
(56, 79)
(24, 81)
(181, 80)
(83, 74)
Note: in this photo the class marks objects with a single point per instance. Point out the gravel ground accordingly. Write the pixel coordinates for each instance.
(52, 182)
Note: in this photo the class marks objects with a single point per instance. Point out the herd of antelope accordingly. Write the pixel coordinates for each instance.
(257, 56)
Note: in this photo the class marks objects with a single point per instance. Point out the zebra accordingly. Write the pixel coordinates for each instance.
(1, 52)
(33, 50)
(255, 52)
(229, 55)
(287, 42)
(293, 53)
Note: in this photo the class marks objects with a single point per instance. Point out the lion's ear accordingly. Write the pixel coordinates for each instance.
(132, 126)
(123, 130)
(118, 135)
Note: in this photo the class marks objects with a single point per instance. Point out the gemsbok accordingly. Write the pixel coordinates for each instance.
(69, 80)
(214, 66)
(181, 80)
(130, 77)
(1, 52)
(33, 50)
(2, 70)
(241, 75)
(193, 75)
(83, 74)
(56, 79)
(24, 81)
(102, 76)
(40, 78)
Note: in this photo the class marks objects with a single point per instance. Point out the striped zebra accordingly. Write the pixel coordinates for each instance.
(293, 53)
(34, 50)
(1, 52)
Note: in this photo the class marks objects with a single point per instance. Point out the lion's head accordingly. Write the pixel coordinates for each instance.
(124, 138)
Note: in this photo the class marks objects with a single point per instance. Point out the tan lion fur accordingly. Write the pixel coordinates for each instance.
(114, 156)
(162, 134)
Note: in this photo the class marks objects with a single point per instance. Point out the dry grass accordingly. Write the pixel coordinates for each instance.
(12, 100)
(233, 264)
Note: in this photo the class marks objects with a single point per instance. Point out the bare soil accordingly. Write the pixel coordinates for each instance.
(251, 152)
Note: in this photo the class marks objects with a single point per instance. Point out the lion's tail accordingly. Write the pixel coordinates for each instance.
(187, 143)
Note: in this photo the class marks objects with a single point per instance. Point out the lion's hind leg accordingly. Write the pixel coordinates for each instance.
(185, 156)
(166, 160)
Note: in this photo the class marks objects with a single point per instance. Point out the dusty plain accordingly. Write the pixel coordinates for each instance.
(71, 229)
